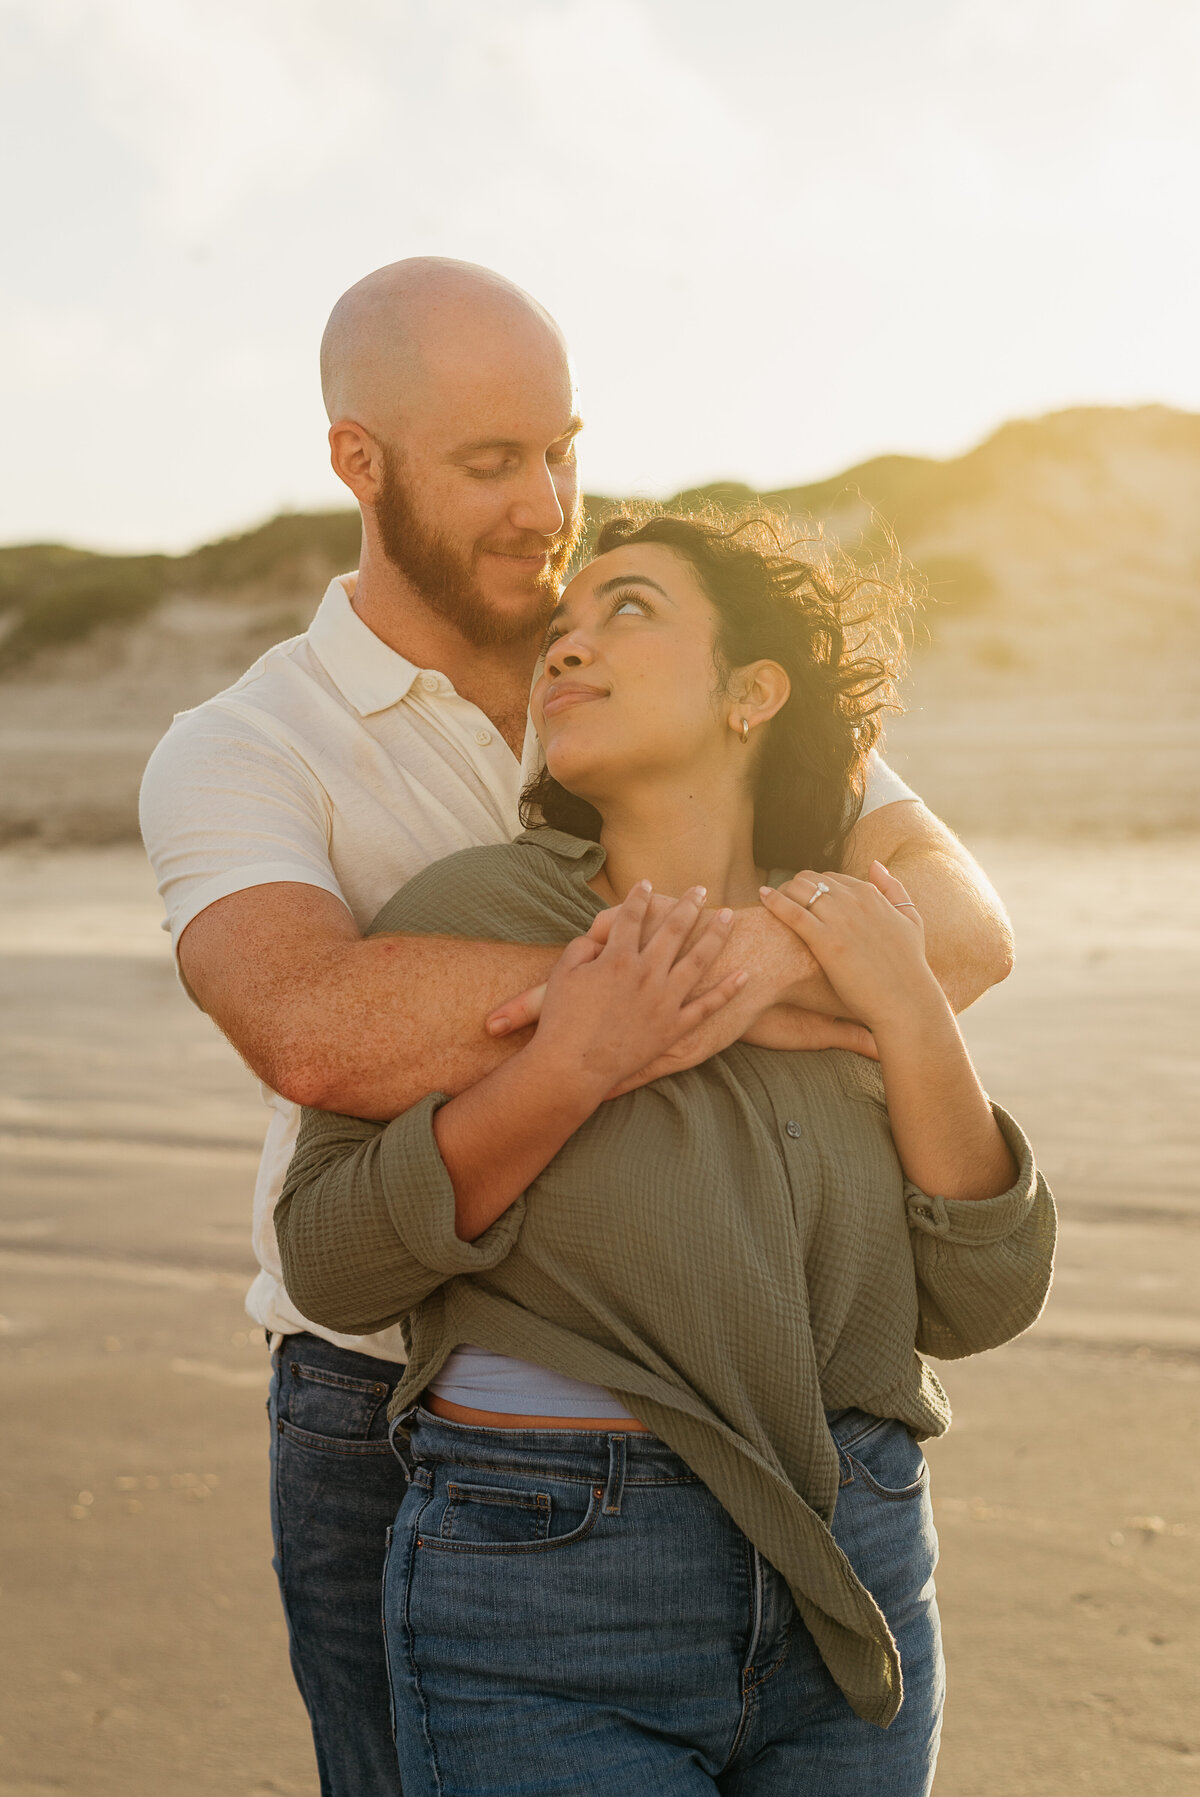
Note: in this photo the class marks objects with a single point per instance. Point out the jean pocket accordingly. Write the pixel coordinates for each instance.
(317, 1402)
(491, 1516)
(887, 1460)
(468, 1518)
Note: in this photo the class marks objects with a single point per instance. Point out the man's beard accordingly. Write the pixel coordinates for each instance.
(447, 579)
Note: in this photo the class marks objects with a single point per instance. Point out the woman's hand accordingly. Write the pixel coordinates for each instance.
(868, 938)
(611, 1008)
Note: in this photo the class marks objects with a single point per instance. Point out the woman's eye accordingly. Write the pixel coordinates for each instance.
(630, 604)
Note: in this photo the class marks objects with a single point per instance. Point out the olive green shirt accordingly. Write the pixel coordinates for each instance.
(730, 1251)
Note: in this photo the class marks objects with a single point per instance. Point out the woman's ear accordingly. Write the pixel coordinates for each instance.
(757, 692)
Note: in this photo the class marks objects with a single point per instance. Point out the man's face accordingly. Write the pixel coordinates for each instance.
(480, 507)
(494, 590)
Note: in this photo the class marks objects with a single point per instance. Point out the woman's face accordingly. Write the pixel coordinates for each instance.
(630, 690)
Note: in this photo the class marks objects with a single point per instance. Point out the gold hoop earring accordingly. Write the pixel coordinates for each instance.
(745, 732)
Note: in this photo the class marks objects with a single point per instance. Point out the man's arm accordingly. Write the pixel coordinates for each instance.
(364, 1026)
(367, 1026)
(968, 938)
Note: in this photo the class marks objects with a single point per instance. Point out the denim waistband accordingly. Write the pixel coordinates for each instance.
(576, 1453)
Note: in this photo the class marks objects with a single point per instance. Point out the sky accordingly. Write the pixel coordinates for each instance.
(781, 237)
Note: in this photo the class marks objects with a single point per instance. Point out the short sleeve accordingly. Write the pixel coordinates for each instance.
(883, 786)
(224, 807)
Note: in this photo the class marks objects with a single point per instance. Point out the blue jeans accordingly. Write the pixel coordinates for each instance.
(572, 1614)
(335, 1489)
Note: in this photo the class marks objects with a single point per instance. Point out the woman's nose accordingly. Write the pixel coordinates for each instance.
(567, 652)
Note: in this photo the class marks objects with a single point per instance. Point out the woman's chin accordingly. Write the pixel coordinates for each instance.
(579, 775)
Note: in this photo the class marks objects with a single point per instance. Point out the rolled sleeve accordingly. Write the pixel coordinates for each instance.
(420, 1201)
(978, 1222)
(365, 1222)
(983, 1267)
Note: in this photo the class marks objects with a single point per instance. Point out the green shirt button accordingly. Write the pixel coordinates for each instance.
(793, 1129)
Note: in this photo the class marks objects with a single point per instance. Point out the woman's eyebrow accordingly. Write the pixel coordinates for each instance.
(624, 580)
(611, 586)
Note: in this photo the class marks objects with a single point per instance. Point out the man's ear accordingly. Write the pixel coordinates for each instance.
(357, 459)
(758, 691)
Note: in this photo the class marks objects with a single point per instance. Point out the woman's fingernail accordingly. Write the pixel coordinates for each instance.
(765, 891)
(725, 915)
(644, 886)
(699, 893)
(741, 979)
(498, 1026)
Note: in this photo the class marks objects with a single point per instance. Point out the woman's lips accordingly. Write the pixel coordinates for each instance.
(560, 697)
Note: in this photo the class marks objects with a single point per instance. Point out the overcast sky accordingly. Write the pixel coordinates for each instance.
(781, 236)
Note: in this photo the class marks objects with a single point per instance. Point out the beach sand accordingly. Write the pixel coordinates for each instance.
(143, 1649)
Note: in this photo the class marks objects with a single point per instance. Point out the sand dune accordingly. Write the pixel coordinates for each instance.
(1056, 680)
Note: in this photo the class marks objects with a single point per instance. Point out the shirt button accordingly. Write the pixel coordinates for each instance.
(793, 1129)
(483, 738)
(429, 682)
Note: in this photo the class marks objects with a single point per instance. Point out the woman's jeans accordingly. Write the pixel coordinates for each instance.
(573, 1614)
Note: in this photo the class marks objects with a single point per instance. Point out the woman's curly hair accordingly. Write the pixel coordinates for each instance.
(838, 633)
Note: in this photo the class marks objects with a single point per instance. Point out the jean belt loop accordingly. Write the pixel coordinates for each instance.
(402, 1449)
(616, 1475)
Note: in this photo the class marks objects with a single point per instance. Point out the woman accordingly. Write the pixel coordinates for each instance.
(668, 1526)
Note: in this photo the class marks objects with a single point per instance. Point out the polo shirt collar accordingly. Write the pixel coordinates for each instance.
(369, 675)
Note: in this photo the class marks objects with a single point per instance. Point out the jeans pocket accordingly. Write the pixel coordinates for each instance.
(466, 1516)
(493, 1516)
(323, 1409)
(888, 1461)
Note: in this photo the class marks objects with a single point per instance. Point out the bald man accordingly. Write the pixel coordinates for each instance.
(282, 814)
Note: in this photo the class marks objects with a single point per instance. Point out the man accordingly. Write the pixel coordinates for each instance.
(281, 814)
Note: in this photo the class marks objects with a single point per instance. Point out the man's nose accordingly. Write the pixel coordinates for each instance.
(537, 507)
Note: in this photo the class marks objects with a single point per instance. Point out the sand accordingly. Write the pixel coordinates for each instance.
(143, 1650)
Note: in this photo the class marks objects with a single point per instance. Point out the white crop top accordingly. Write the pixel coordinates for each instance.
(479, 1380)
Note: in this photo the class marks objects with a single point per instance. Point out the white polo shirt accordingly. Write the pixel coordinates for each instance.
(336, 763)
